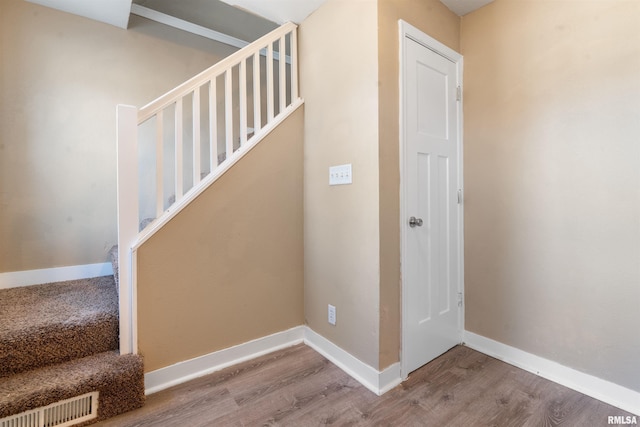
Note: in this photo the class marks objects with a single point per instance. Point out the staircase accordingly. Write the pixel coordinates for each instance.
(174, 148)
(59, 359)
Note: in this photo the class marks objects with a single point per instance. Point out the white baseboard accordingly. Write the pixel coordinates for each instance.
(605, 391)
(190, 369)
(59, 274)
(376, 381)
(389, 378)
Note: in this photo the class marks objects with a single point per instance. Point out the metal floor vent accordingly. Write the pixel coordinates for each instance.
(65, 413)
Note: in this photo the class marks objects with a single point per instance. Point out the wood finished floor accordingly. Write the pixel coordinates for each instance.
(298, 387)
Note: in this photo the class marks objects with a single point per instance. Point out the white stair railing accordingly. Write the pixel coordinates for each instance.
(172, 149)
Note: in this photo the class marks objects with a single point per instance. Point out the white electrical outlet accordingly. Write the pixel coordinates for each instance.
(340, 175)
(331, 315)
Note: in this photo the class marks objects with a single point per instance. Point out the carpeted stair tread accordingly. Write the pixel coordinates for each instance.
(118, 378)
(53, 323)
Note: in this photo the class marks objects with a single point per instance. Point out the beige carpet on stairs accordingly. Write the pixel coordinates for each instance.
(117, 378)
(53, 323)
(59, 341)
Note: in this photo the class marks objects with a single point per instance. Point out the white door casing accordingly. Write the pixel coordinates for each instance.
(431, 178)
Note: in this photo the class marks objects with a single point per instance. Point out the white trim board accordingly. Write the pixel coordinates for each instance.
(605, 391)
(377, 382)
(58, 274)
(200, 366)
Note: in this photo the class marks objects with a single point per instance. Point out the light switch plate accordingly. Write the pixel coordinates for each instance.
(340, 175)
(331, 315)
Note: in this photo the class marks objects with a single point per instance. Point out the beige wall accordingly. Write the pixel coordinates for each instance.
(433, 18)
(552, 206)
(352, 249)
(228, 268)
(60, 79)
(338, 76)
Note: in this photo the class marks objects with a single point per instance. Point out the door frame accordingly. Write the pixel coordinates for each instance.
(407, 31)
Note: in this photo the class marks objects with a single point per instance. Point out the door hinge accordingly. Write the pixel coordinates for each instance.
(459, 299)
(460, 196)
(459, 93)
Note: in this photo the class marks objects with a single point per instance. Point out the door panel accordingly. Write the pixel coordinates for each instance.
(423, 307)
(432, 101)
(444, 234)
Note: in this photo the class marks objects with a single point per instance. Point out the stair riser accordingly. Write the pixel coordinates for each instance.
(57, 345)
(118, 379)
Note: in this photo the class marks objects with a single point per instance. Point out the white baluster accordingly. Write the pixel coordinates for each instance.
(282, 60)
(257, 96)
(269, 60)
(196, 136)
(294, 65)
(159, 163)
(178, 146)
(228, 111)
(213, 125)
(242, 88)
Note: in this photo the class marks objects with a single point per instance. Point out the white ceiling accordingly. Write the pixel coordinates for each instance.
(279, 11)
(116, 12)
(462, 7)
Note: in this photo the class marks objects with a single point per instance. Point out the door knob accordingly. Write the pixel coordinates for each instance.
(413, 221)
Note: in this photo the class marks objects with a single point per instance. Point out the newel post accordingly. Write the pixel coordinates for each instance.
(127, 186)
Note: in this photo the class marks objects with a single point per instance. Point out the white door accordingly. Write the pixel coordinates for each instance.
(431, 223)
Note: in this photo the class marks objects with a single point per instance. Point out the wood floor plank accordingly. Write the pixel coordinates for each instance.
(296, 373)
(202, 407)
(325, 403)
(299, 392)
(446, 388)
(507, 403)
(298, 387)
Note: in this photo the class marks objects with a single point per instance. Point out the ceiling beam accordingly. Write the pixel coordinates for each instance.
(190, 27)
